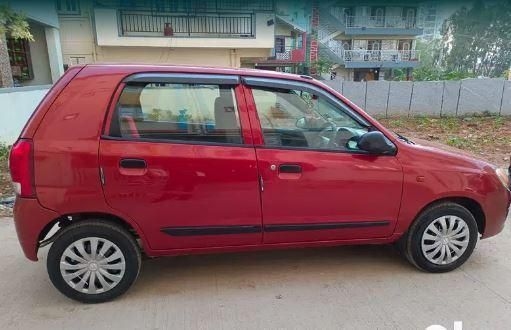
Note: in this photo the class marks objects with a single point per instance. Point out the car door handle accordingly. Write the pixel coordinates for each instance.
(132, 163)
(290, 168)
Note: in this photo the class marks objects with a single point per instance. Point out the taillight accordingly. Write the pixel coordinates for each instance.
(21, 166)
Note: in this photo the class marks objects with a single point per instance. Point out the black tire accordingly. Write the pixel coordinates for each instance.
(104, 230)
(411, 244)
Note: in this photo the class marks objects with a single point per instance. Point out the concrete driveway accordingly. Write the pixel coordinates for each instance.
(365, 287)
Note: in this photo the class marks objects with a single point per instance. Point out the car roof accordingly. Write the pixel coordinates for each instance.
(201, 69)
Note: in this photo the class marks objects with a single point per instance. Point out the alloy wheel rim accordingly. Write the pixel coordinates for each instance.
(92, 265)
(445, 240)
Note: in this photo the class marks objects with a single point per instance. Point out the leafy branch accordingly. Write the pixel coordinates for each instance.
(14, 24)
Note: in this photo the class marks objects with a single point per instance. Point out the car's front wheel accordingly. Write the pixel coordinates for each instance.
(93, 261)
(442, 238)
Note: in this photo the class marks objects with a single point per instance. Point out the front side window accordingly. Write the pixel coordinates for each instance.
(299, 119)
(178, 112)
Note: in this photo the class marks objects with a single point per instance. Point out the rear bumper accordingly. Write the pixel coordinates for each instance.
(30, 218)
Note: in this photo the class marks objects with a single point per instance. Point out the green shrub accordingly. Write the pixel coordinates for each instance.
(4, 151)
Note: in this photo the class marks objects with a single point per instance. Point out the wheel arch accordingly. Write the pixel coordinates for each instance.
(67, 219)
(473, 206)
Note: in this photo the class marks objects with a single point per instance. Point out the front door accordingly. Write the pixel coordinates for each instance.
(317, 184)
(404, 48)
(176, 161)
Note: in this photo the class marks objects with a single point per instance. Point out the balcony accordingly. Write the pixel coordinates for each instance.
(382, 25)
(142, 28)
(363, 58)
(290, 54)
(287, 56)
(149, 24)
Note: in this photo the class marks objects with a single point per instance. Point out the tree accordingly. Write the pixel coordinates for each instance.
(13, 25)
(430, 63)
(322, 66)
(477, 40)
(431, 52)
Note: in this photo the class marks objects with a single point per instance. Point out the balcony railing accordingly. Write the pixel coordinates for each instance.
(399, 22)
(290, 54)
(187, 6)
(143, 23)
(363, 55)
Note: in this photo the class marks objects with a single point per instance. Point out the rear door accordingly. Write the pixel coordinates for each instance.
(178, 158)
(317, 185)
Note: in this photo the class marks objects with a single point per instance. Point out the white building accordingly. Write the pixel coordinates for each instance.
(211, 32)
(368, 40)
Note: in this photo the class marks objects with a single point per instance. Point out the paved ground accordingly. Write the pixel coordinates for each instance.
(345, 287)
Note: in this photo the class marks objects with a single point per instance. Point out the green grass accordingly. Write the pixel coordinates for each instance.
(498, 121)
(396, 122)
(450, 123)
(458, 142)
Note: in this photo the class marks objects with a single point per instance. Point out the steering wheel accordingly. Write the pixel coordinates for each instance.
(326, 136)
(333, 137)
(352, 143)
(344, 136)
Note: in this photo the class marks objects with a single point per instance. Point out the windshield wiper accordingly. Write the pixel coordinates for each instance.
(407, 140)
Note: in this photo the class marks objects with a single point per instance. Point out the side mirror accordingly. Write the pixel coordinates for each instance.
(376, 143)
(301, 123)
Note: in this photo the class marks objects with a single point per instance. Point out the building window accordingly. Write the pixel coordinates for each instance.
(404, 45)
(409, 17)
(378, 16)
(68, 7)
(280, 44)
(374, 44)
(19, 57)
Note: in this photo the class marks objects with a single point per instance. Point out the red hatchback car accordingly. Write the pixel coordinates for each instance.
(167, 160)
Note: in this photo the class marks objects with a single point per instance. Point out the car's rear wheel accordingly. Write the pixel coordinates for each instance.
(93, 261)
(442, 238)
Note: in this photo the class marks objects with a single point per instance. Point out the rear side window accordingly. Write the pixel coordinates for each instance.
(177, 112)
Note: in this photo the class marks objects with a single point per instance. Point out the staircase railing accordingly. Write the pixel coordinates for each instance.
(331, 24)
(365, 55)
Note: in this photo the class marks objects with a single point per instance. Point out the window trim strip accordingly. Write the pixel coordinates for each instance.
(349, 152)
(183, 78)
(200, 143)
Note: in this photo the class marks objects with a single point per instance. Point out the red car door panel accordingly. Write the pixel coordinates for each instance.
(184, 191)
(336, 195)
(179, 160)
(317, 191)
